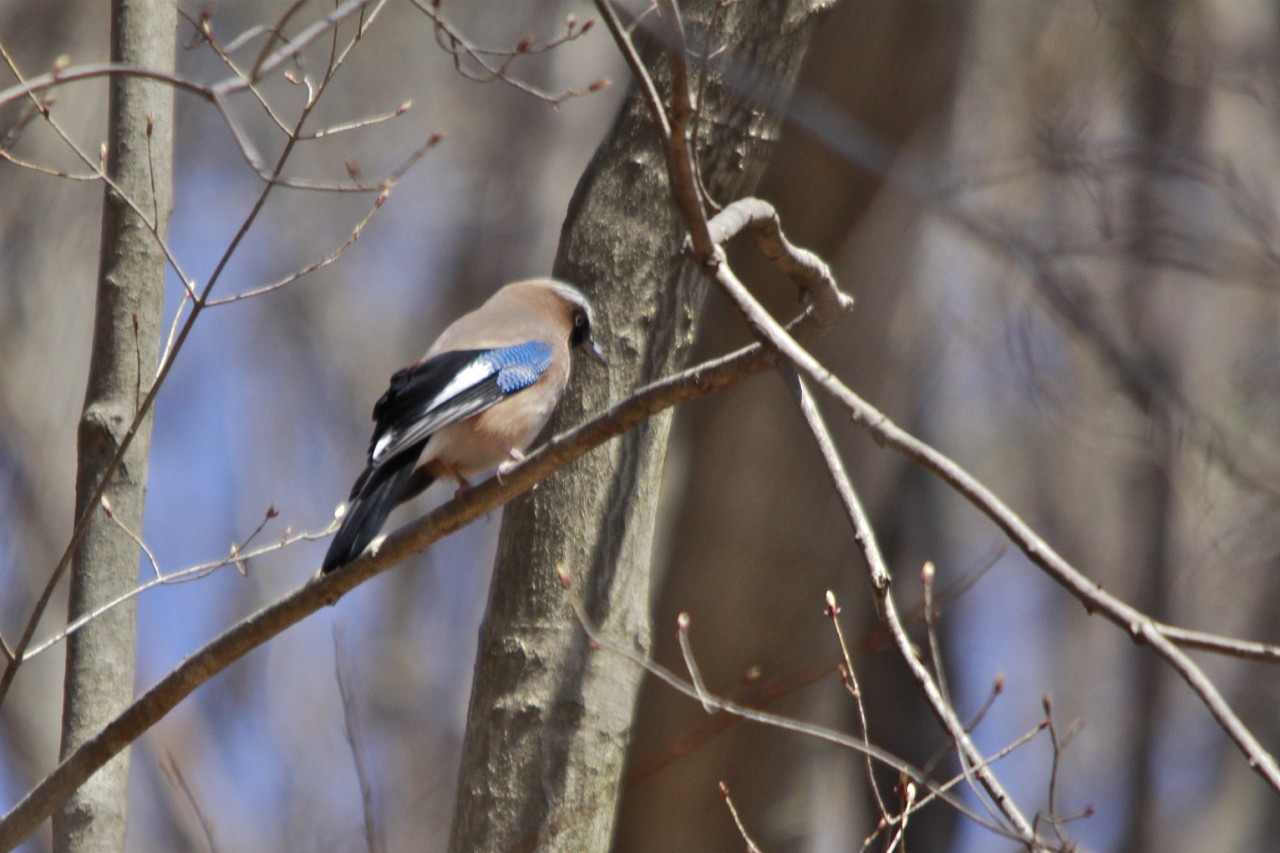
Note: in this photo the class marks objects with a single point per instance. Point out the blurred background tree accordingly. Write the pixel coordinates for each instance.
(1058, 221)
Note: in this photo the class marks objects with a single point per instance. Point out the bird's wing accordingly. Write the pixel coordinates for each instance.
(448, 388)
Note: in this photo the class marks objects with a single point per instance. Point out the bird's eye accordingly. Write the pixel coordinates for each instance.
(580, 320)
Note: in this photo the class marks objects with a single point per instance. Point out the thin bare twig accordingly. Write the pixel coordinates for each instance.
(271, 620)
(849, 676)
(629, 53)
(935, 789)
(176, 341)
(971, 761)
(351, 728)
(496, 63)
(171, 769)
(136, 538)
(237, 556)
(682, 162)
(752, 847)
(695, 675)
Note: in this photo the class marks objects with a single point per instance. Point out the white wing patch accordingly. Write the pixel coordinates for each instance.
(473, 374)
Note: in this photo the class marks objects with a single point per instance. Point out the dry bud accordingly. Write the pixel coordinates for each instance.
(563, 575)
(600, 84)
(682, 622)
(525, 44)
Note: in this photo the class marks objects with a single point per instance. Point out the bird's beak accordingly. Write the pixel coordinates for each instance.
(590, 347)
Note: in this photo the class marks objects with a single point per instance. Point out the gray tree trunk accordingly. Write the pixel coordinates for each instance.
(126, 337)
(550, 717)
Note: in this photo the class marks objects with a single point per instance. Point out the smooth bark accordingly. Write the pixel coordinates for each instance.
(130, 297)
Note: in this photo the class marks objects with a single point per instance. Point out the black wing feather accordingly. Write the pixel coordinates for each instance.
(413, 388)
(379, 491)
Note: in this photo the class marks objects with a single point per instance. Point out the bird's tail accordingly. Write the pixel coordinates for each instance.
(377, 493)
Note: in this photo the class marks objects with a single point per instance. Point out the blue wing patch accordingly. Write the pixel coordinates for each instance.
(520, 366)
(448, 388)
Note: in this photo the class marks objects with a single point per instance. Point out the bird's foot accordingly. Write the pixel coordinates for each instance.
(516, 458)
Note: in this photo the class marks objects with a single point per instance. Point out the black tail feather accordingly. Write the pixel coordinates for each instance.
(379, 491)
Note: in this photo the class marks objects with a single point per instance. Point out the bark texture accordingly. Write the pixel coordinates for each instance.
(550, 717)
(130, 298)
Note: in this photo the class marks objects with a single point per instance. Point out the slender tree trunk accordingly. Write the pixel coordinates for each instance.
(550, 717)
(126, 336)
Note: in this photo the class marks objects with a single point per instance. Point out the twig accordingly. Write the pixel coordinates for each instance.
(970, 758)
(218, 93)
(351, 728)
(100, 173)
(271, 620)
(752, 847)
(849, 676)
(695, 675)
(936, 789)
(682, 162)
(628, 49)
(236, 556)
(1141, 627)
(136, 538)
(807, 271)
(171, 769)
(908, 791)
(452, 42)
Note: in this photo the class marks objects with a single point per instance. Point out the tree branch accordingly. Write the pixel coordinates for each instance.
(411, 539)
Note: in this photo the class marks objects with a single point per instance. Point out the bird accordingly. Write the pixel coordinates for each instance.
(474, 403)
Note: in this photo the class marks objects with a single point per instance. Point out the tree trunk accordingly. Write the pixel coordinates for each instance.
(550, 717)
(126, 337)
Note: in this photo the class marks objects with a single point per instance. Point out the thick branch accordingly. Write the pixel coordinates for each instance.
(413, 538)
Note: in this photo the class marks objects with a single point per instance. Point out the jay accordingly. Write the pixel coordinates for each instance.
(475, 402)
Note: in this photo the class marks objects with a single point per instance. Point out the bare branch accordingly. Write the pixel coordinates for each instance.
(937, 790)
(236, 556)
(271, 620)
(310, 268)
(628, 49)
(808, 271)
(496, 63)
(198, 301)
(970, 758)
